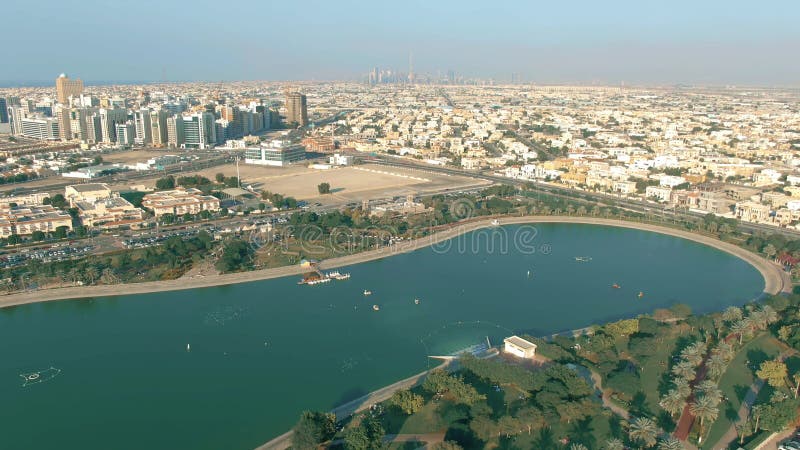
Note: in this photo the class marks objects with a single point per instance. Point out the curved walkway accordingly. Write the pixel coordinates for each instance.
(776, 280)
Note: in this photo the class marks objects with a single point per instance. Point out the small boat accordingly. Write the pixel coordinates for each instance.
(615, 286)
(529, 274)
(366, 292)
(376, 308)
(495, 222)
(641, 294)
(188, 347)
(583, 258)
(416, 301)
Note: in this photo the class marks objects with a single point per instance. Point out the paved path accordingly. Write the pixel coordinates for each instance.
(616, 409)
(776, 280)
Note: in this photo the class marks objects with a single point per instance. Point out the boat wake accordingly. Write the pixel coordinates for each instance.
(40, 376)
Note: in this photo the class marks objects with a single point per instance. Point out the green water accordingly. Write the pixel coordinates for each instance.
(261, 352)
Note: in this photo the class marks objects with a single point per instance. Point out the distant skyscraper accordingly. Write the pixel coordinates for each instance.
(64, 122)
(66, 88)
(3, 110)
(296, 109)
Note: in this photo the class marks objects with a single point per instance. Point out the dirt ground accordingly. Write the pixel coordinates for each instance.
(353, 183)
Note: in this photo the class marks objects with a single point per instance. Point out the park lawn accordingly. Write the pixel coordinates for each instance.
(736, 382)
(653, 369)
(434, 416)
(592, 433)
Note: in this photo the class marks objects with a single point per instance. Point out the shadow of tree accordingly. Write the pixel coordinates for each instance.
(582, 432)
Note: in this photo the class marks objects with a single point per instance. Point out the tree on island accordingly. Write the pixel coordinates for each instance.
(312, 429)
(324, 188)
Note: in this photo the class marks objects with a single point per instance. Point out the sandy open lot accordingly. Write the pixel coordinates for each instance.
(355, 183)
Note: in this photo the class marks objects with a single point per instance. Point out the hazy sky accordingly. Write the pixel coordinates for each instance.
(642, 41)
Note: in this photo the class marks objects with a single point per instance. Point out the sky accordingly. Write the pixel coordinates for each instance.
(645, 42)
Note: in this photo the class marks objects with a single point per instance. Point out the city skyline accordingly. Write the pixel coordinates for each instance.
(673, 43)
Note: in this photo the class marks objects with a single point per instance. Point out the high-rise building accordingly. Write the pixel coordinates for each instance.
(109, 118)
(3, 110)
(158, 128)
(126, 133)
(66, 88)
(78, 124)
(94, 129)
(45, 129)
(175, 135)
(296, 109)
(141, 121)
(64, 127)
(199, 130)
(15, 116)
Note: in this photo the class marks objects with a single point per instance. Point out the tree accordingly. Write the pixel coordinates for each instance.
(165, 183)
(774, 372)
(312, 429)
(710, 390)
(673, 402)
(38, 236)
(407, 401)
(61, 232)
(644, 431)
(220, 177)
(716, 365)
(484, 428)
(740, 328)
(58, 201)
(624, 327)
(324, 188)
(445, 445)
(367, 435)
(732, 314)
(684, 369)
(577, 446)
(705, 409)
(614, 444)
(670, 443)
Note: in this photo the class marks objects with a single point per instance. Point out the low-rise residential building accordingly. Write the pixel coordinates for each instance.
(752, 211)
(26, 219)
(663, 194)
(109, 212)
(89, 192)
(180, 201)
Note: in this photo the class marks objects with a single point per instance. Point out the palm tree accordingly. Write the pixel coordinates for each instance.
(644, 430)
(694, 353)
(732, 314)
(614, 444)
(740, 328)
(711, 391)
(683, 387)
(725, 350)
(91, 273)
(716, 365)
(705, 409)
(673, 402)
(770, 314)
(670, 443)
(758, 319)
(756, 411)
(577, 447)
(684, 369)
